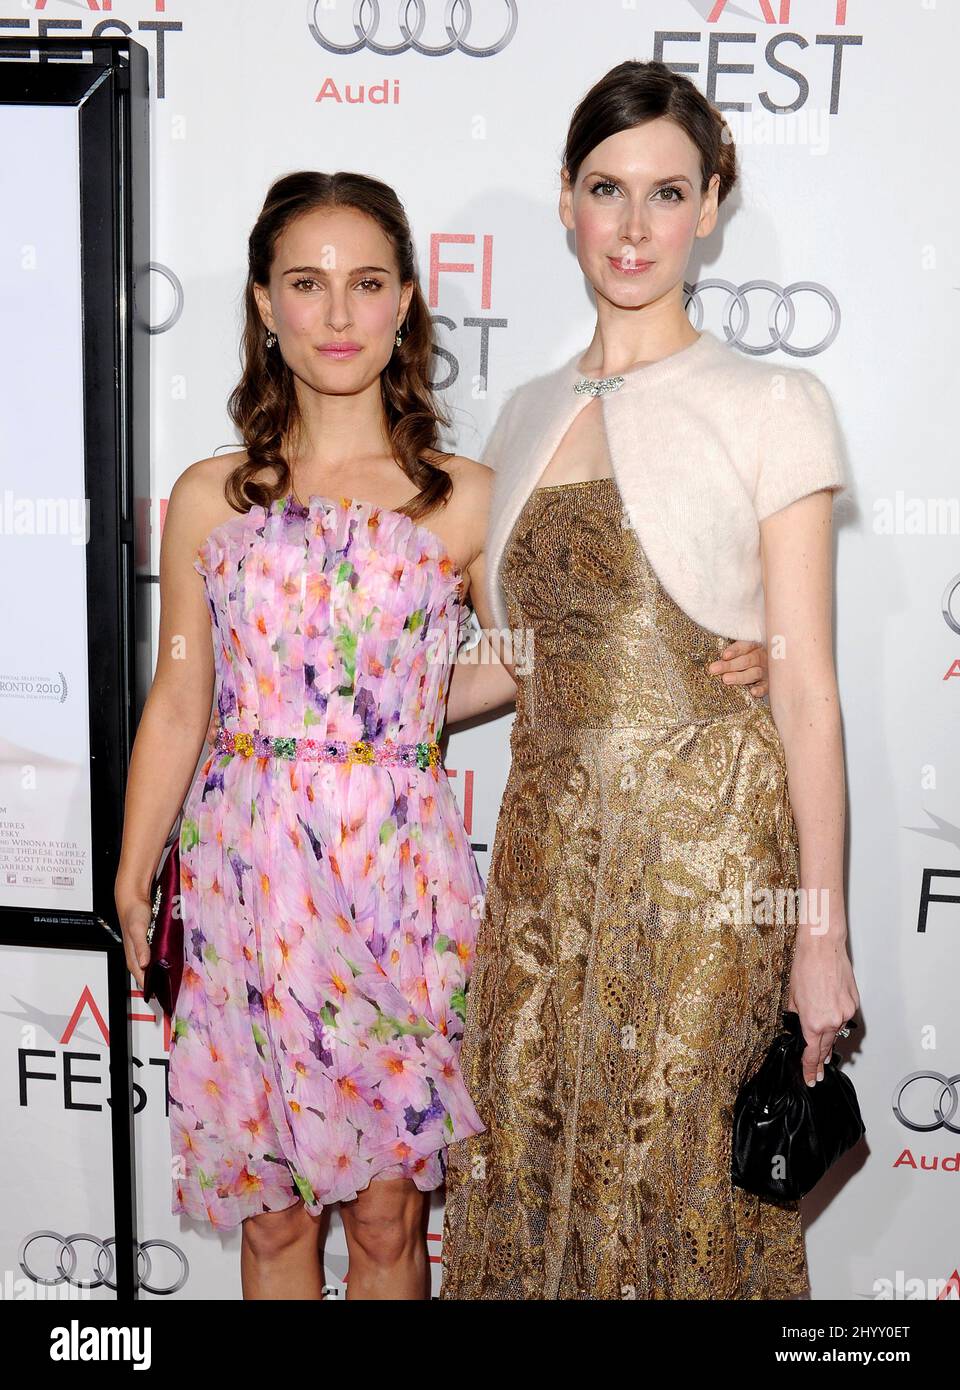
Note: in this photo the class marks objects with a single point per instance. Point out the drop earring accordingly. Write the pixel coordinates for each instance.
(271, 338)
(398, 340)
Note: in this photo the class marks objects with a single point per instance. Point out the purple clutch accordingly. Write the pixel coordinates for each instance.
(161, 978)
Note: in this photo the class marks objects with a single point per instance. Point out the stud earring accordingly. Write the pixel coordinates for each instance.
(271, 338)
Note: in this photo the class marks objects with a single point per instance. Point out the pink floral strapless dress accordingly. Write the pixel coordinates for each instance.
(329, 908)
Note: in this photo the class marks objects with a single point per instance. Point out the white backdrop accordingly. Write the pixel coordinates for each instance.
(847, 194)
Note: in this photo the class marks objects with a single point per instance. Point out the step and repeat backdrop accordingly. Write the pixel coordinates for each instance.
(837, 251)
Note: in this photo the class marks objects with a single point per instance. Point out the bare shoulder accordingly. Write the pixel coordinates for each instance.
(203, 482)
(197, 502)
(472, 480)
(468, 507)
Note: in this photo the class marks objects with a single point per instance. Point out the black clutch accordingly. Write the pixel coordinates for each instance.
(163, 973)
(786, 1134)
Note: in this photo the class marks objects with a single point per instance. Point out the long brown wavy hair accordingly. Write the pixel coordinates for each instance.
(635, 92)
(263, 405)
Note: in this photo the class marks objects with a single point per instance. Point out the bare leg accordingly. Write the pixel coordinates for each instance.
(280, 1255)
(385, 1227)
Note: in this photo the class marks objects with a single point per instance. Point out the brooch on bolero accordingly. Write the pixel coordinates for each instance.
(598, 388)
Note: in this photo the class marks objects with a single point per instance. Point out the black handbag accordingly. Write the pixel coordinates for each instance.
(164, 971)
(786, 1134)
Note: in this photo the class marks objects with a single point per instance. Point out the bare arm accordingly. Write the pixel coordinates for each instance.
(176, 714)
(482, 679)
(796, 559)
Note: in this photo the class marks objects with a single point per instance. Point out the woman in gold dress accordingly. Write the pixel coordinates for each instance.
(617, 1002)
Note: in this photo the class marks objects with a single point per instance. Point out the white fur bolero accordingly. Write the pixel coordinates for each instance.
(704, 444)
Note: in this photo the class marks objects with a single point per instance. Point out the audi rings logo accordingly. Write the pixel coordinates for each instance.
(46, 1257)
(947, 602)
(459, 18)
(939, 1098)
(781, 318)
(173, 280)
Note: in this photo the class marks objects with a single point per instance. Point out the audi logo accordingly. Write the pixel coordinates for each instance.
(173, 280)
(458, 21)
(946, 603)
(946, 1086)
(63, 1258)
(736, 314)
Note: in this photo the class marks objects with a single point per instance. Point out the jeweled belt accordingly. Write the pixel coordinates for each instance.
(385, 751)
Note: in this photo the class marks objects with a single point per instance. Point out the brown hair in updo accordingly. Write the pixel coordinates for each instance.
(633, 93)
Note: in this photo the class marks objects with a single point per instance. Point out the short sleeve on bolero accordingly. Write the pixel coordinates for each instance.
(799, 445)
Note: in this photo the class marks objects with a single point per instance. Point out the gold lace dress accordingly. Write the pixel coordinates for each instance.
(619, 998)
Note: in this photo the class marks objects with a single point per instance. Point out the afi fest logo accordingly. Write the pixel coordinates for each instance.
(78, 1067)
(150, 32)
(742, 67)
